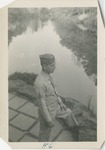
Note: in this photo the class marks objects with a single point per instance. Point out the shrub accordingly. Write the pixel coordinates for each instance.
(28, 78)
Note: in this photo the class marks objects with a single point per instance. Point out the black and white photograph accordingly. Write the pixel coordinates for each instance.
(52, 74)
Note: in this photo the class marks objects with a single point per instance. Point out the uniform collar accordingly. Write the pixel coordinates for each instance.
(48, 77)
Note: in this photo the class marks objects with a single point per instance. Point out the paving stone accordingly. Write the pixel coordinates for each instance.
(28, 138)
(14, 134)
(65, 136)
(11, 96)
(22, 122)
(55, 130)
(16, 102)
(30, 109)
(35, 130)
(12, 113)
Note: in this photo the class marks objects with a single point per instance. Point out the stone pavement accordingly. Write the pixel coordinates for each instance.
(24, 122)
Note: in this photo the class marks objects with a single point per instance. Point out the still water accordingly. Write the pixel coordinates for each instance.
(71, 79)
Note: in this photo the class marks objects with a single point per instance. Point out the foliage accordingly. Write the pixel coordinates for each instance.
(19, 19)
(28, 78)
(77, 29)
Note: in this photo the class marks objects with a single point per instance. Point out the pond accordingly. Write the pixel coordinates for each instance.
(41, 37)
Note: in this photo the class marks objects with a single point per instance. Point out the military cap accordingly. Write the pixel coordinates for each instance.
(47, 59)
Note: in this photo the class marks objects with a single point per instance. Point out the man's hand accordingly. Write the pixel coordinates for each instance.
(62, 106)
(51, 124)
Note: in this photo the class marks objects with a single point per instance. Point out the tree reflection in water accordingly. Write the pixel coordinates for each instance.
(76, 27)
(78, 32)
(19, 19)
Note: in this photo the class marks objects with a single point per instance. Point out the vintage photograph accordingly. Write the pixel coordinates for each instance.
(52, 74)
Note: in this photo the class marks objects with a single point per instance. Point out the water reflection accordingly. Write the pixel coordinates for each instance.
(20, 19)
(76, 27)
(78, 32)
(81, 44)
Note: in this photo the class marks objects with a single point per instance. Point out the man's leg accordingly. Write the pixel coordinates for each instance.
(44, 132)
(70, 120)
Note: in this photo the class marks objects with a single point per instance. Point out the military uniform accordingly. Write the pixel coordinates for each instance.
(48, 104)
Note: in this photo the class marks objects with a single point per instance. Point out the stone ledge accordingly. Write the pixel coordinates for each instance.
(15, 134)
(28, 138)
(29, 109)
(17, 102)
(11, 96)
(22, 122)
(12, 114)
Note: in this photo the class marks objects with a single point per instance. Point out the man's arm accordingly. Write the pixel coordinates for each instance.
(42, 104)
(62, 106)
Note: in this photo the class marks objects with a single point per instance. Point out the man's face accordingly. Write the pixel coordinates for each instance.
(50, 68)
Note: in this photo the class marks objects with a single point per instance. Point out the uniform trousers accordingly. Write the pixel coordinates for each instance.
(55, 112)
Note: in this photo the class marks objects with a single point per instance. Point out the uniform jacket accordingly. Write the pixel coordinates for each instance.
(47, 96)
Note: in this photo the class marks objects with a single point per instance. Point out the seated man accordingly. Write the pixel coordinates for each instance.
(50, 105)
